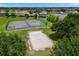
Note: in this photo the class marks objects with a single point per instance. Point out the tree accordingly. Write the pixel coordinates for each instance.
(12, 45)
(67, 27)
(73, 16)
(63, 10)
(7, 14)
(35, 16)
(13, 15)
(26, 15)
(66, 47)
(53, 19)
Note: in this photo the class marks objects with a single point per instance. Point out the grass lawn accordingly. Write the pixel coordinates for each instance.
(44, 20)
(4, 21)
(47, 31)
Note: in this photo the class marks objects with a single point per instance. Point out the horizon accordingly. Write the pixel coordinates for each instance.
(39, 5)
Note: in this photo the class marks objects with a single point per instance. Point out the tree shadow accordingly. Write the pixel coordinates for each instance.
(54, 36)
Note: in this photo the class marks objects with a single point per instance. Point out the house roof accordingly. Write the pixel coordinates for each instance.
(22, 11)
(2, 11)
(43, 12)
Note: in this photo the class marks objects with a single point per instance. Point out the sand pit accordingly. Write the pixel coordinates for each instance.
(39, 41)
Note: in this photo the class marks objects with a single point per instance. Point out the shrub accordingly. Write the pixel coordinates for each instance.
(11, 45)
(66, 47)
(53, 19)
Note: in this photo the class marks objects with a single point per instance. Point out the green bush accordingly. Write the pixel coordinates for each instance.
(26, 15)
(65, 28)
(7, 14)
(13, 15)
(53, 19)
(73, 16)
(11, 45)
(66, 47)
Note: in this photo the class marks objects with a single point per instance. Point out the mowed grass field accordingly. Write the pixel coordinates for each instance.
(4, 22)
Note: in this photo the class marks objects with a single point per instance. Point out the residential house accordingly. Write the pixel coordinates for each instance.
(2, 13)
(61, 16)
(21, 12)
(69, 10)
(43, 14)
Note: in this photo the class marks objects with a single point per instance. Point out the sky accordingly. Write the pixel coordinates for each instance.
(39, 4)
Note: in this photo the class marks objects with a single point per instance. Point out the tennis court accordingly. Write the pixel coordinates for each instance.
(25, 24)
